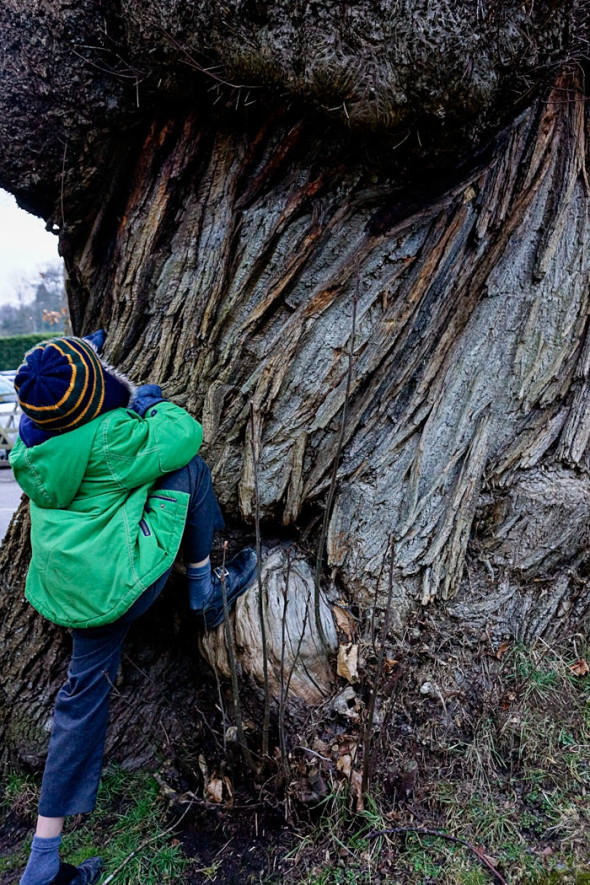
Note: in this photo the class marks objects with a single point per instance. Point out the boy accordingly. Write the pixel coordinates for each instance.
(116, 489)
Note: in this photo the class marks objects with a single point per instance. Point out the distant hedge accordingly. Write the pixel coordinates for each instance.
(14, 347)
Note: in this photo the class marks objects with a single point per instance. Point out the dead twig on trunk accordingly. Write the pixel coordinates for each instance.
(221, 705)
(266, 719)
(335, 466)
(378, 673)
(299, 642)
(282, 694)
(246, 752)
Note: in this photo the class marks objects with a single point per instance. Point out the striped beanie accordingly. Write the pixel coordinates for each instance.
(63, 384)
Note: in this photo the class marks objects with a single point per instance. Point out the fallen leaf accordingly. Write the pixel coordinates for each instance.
(203, 767)
(311, 789)
(409, 778)
(344, 622)
(580, 668)
(215, 790)
(320, 746)
(348, 661)
(344, 765)
(502, 649)
(231, 735)
(166, 790)
(347, 703)
(229, 788)
(356, 785)
(347, 746)
(389, 664)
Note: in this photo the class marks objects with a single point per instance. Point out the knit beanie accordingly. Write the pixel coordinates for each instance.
(63, 384)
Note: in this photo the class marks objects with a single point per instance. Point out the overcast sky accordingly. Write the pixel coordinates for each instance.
(25, 248)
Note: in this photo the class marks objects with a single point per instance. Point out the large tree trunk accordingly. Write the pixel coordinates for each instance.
(273, 276)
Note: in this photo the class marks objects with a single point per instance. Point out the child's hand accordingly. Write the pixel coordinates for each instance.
(97, 339)
(146, 396)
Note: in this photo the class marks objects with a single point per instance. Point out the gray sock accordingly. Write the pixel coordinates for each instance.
(43, 864)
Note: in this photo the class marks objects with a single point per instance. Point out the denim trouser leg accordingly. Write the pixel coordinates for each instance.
(204, 516)
(74, 761)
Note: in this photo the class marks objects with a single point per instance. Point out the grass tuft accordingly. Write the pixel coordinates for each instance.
(129, 811)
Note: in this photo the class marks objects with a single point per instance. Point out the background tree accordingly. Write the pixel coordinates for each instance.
(315, 209)
(39, 305)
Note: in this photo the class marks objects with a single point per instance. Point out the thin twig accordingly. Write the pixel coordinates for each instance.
(221, 705)
(299, 642)
(145, 843)
(191, 61)
(312, 752)
(248, 758)
(282, 694)
(335, 466)
(103, 68)
(62, 188)
(371, 711)
(375, 600)
(422, 831)
(266, 720)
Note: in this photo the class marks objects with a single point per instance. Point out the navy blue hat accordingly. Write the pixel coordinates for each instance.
(63, 384)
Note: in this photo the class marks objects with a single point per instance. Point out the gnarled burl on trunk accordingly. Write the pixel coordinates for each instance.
(274, 204)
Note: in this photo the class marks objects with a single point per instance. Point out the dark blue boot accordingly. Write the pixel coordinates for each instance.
(87, 873)
(239, 575)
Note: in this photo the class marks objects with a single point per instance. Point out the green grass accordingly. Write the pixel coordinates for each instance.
(129, 811)
(516, 786)
(519, 787)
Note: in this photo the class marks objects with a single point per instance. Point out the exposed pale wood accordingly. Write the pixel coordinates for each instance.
(288, 584)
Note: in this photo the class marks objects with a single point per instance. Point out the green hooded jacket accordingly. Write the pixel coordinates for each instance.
(100, 533)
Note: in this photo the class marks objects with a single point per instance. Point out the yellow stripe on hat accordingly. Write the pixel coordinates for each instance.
(88, 352)
(97, 372)
(66, 394)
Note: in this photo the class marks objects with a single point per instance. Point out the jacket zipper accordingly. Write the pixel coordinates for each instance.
(144, 527)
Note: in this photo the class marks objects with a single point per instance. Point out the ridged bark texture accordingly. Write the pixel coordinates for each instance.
(230, 276)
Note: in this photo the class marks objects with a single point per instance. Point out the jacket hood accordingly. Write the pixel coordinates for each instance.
(51, 473)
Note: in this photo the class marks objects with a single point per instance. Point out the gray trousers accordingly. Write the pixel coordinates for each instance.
(74, 761)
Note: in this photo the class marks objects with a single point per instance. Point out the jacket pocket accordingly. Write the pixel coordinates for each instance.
(144, 527)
